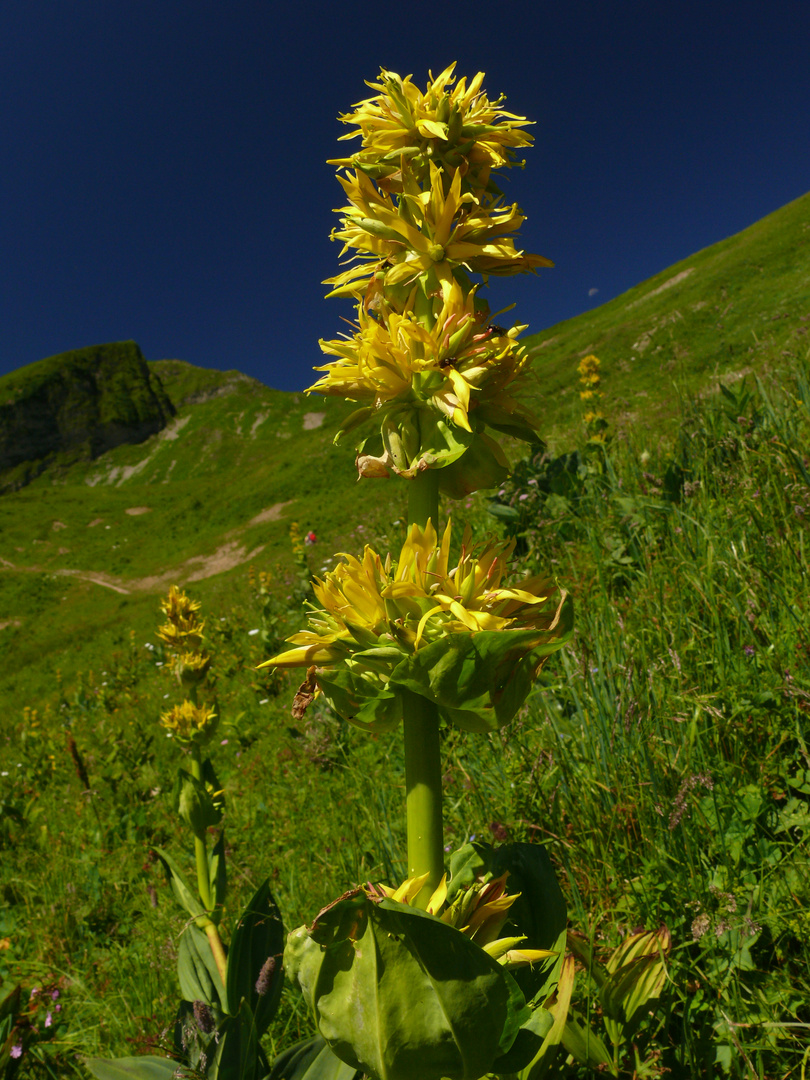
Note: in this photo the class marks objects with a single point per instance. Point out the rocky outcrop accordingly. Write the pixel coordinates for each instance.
(76, 406)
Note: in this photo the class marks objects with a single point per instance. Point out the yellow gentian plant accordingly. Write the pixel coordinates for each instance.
(427, 637)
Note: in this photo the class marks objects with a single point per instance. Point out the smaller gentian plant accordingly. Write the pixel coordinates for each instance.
(230, 991)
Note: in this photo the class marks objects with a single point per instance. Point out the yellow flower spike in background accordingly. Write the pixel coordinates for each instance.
(422, 626)
(190, 723)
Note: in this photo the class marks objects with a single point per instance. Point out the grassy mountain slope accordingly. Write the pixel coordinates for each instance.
(85, 551)
(735, 307)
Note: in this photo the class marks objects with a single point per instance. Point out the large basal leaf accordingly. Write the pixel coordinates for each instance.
(399, 994)
(137, 1068)
(197, 970)
(311, 1060)
(257, 939)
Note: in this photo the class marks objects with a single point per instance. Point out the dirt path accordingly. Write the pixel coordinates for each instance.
(230, 554)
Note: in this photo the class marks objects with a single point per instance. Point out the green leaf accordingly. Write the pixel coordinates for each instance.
(398, 993)
(238, 1054)
(311, 1060)
(360, 702)
(539, 912)
(137, 1068)
(586, 1047)
(540, 1065)
(195, 804)
(180, 887)
(258, 937)
(527, 1044)
(482, 466)
(637, 974)
(197, 970)
(482, 679)
(217, 873)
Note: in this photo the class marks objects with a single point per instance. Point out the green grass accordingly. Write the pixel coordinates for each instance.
(742, 305)
(663, 758)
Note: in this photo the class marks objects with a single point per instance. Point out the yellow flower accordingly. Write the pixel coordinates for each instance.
(376, 619)
(192, 667)
(424, 233)
(177, 607)
(479, 912)
(456, 125)
(190, 723)
(183, 631)
(413, 382)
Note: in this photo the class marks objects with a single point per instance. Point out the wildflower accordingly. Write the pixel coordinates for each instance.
(457, 126)
(478, 911)
(48, 1019)
(749, 650)
(183, 631)
(417, 626)
(16, 1050)
(432, 392)
(443, 229)
(190, 723)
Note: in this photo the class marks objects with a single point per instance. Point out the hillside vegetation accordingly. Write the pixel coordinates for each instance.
(740, 306)
(76, 406)
(663, 758)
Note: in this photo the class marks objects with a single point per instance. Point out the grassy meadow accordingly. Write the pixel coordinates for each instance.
(662, 759)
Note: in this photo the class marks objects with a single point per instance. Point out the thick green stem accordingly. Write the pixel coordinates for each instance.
(423, 499)
(200, 852)
(209, 928)
(423, 785)
(423, 760)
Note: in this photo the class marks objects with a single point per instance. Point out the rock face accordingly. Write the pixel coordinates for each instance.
(76, 406)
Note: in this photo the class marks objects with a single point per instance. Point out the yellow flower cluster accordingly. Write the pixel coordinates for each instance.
(457, 371)
(589, 377)
(479, 912)
(183, 636)
(427, 627)
(424, 235)
(367, 603)
(423, 213)
(189, 722)
(457, 126)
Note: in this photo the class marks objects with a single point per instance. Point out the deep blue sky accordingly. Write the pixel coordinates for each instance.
(162, 170)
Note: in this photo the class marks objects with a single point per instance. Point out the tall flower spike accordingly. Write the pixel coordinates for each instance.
(423, 213)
